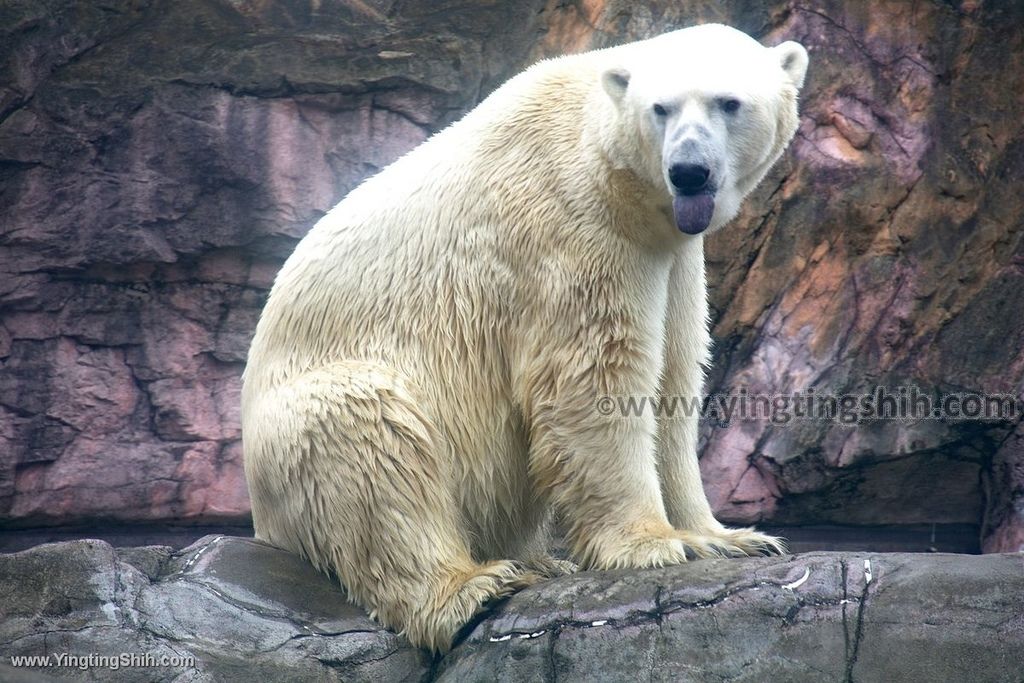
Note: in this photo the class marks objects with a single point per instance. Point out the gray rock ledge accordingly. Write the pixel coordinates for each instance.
(247, 611)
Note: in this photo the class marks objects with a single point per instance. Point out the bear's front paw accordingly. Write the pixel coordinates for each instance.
(678, 546)
(640, 551)
(725, 542)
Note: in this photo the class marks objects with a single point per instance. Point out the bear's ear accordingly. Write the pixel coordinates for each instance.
(615, 82)
(793, 60)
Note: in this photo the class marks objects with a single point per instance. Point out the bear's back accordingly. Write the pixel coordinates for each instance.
(434, 231)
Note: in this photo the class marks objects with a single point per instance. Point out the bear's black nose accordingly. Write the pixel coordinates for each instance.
(689, 178)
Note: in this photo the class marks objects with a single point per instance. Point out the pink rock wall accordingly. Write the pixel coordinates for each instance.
(157, 163)
(159, 160)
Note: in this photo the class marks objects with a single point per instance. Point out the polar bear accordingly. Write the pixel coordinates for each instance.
(420, 392)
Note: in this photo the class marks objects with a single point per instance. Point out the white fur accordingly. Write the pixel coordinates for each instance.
(421, 388)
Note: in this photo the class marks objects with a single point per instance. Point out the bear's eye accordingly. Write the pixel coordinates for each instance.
(730, 105)
(660, 110)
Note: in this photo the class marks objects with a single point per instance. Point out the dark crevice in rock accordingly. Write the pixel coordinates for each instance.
(288, 90)
(858, 633)
(551, 671)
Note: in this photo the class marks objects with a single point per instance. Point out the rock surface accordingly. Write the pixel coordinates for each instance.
(159, 160)
(247, 611)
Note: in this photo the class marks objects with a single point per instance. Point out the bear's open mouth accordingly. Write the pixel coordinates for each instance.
(693, 212)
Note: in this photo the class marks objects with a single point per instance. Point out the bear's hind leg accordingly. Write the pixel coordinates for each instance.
(343, 468)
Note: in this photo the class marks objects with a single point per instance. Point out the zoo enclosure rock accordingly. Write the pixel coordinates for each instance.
(159, 160)
(246, 610)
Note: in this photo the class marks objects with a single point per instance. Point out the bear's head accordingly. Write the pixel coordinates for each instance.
(702, 112)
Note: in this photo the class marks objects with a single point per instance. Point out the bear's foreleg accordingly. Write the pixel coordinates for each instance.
(687, 342)
(599, 470)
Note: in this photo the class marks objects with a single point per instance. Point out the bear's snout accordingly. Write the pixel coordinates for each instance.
(689, 179)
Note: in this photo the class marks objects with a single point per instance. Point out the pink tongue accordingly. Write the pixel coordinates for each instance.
(693, 214)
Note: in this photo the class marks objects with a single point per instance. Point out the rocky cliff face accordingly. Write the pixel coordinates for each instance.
(245, 611)
(159, 160)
